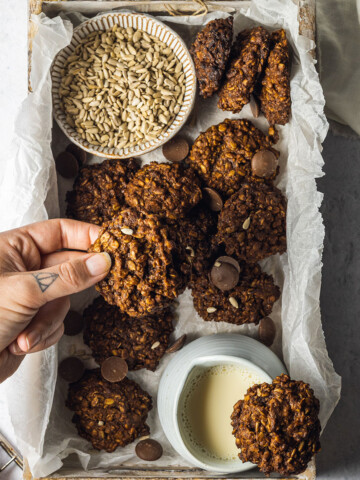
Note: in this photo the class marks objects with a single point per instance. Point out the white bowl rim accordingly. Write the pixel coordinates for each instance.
(131, 151)
(224, 467)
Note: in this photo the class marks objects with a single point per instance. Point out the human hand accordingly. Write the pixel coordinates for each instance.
(36, 279)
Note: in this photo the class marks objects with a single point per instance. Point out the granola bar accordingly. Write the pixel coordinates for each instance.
(140, 341)
(107, 414)
(98, 192)
(276, 426)
(275, 93)
(248, 302)
(210, 52)
(146, 272)
(252, 223)
(222, 154)
(249, 54)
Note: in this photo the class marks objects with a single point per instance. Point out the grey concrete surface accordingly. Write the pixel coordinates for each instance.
(340, 304)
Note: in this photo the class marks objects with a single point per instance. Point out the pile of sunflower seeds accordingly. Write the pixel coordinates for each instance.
(121, 87)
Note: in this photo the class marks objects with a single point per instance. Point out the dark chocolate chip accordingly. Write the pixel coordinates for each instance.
(67, 165)
(212, 199)
(177, 345)
(267, 331)
(149, 450)
(254, 105)
(224, 275)
(264, 163)
(176, 149)
(78, 152)
(230, 260)
(71, 369)
(73, 323)
(114, 369)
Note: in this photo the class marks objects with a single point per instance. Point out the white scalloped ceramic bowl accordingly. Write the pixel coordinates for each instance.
(151, 26)
(206, 352)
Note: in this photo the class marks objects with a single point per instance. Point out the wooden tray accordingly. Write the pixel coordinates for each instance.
(53, 8)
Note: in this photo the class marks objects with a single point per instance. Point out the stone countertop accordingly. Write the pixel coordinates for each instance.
(340, 304)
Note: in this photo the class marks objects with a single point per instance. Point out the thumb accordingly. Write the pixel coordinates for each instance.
(67, 278)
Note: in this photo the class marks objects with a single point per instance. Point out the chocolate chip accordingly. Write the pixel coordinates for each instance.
(176, 149)
(212, 199)
(114, 369)
(224, 275)
(177, 345)
(67, 165)
(230, 260)
(71, 369)
(73, 323)
(78, 153)
(254, 105)
(267, 331)
(149, 450)
(264, 163)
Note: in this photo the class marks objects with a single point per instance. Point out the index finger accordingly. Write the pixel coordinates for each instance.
(52, 235)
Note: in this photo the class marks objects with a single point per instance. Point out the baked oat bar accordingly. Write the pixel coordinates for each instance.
(276, 426)
(222, 154)
(146, 272)
(141, 342)
(98, 192)
(210, 52)
(248, 56)
(252, 223)
(248, 302)
(109, 415)
(165, 189)
(275, 93)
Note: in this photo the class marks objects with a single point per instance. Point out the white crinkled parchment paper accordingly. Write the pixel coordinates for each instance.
(36, 399)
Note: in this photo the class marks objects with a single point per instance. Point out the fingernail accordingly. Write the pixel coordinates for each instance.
(98, 263)
(15, 349)
(32, 339)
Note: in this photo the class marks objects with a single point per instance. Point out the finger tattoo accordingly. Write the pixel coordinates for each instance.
(44, 280)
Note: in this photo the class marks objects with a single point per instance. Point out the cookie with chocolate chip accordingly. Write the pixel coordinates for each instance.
(250, 300)
(252, 223)
(146, 272)
(109, 415)
(222, 155)
(166, 189)
(141, 342)
(98, 191)
(277, 427)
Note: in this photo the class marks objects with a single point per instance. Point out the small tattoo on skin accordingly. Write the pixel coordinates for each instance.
(44, 280)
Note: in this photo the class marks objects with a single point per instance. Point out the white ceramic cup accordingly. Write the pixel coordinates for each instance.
(207, 352)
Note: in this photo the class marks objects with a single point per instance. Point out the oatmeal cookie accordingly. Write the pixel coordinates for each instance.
(165, 189)
(275, 93)
(146, 272)
(222, 155)
(195, 233)
(107, 414)
(140, 341)
(276, 426)
(248, 302)
(98, 192)
(249, 54)
(210, 52)
(252, 224)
